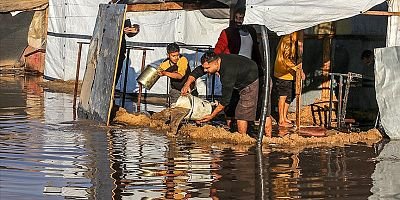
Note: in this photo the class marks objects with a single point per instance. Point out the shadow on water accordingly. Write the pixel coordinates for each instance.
(44, 154)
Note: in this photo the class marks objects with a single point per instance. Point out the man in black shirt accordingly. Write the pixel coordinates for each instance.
(233, 75)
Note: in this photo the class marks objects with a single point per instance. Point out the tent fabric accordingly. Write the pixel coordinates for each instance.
(160, 28)
(220, 13)
(287, 16)
(71, 21)
(227, 2)
(38, 30)
(393, 28)
(22, 5)
(387, 86)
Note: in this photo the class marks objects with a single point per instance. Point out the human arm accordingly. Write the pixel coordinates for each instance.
(186, 87)
(227, 90)
(288, 60)
(214, 113)
(174, 75)
(287, 55)
(179, 74)
(195, 74)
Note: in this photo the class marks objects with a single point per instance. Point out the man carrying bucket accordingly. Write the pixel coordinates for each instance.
(233, 76)
(176, 67)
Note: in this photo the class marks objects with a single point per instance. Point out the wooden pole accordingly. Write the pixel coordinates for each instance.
(326, 68)
(298, 97)
(299, 82)
(381, 13)
(140, 85)
(126, 76)
(78, 66)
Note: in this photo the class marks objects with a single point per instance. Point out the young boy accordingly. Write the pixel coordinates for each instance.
(176, 67)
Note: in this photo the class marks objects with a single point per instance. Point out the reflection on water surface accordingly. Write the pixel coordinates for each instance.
(45, 154)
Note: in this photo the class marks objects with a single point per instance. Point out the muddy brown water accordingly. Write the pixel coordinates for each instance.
(46, 154)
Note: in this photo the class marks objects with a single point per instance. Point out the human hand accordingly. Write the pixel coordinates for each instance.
(303, 75)
(205, 119)
(215, 103)
(161, 72)
(185, 90)
(132, 30)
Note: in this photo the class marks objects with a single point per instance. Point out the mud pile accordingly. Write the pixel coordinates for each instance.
(168, 121)
(129, 119)
(61, 86)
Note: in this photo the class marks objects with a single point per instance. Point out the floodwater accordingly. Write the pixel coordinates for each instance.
(46, 154)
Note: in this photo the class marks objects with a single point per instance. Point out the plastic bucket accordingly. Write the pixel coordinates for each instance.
(148, 77)
(198, 107)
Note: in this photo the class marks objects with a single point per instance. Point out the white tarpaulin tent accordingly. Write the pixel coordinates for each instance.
(387, 85)
(393, 29)
(71, 21)
(287, 16)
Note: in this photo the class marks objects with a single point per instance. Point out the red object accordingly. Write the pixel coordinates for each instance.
(34, 60)
(222, 44)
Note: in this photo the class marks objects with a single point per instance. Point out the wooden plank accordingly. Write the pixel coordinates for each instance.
(97, 91)
(155, 6)
(381, 13)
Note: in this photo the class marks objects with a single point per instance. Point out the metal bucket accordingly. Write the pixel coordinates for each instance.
(198, 107)
(148, 77)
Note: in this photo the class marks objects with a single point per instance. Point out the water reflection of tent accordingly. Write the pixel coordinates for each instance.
(386, 176)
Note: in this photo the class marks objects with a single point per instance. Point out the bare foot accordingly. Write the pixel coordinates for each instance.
(286, 124)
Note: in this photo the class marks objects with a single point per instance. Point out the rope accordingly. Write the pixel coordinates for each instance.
(191, 100)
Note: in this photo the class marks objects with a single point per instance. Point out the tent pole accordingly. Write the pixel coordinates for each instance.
(126, 76)
(78, 66)
(140, 85)
(266, 68)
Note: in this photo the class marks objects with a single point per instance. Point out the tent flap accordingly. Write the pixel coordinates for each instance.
(287, 16)
(387, 86)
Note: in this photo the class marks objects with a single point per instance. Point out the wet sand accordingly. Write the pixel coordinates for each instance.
(208, 133)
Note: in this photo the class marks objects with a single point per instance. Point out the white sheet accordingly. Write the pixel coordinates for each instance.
(387, 86)
(287, 16)
(393, 27)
